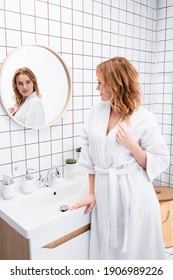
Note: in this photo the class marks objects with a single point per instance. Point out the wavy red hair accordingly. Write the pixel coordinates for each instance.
(121, 78)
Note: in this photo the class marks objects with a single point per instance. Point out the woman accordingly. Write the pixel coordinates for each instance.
(28, 108)
(122, 151)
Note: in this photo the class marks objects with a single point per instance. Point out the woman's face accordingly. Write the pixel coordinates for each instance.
(104, 92)
(24, 85)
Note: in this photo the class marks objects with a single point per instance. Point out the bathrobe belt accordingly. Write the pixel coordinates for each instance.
(117, 173)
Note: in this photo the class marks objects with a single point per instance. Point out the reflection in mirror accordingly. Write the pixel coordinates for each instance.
(28, 108)
(35, 86)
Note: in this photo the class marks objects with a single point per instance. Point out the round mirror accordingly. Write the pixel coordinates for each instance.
(35, 86)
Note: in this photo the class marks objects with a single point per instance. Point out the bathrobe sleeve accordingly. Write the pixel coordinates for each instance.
(155, 146)
(85, 160)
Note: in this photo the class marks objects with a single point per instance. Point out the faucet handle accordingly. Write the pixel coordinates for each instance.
(58, 171)
(28, 175)
(55, 172)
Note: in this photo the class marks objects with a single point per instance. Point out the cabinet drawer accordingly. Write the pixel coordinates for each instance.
(75, 249)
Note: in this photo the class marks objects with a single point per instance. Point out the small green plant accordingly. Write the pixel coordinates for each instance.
(70, 161)
(78, 149)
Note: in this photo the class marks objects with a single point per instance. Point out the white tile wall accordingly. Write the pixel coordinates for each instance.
(164, 80)
(85, 33)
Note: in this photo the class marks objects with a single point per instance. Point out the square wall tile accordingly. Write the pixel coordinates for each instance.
(17, 138)
(5, 140)
(18, 153)
(88, 49)
(66, 30)
(67, 144)
(54, 12)
(34, 164)
(5, 170)
(32, 151)
(66, 45)
(56, 2)
(44, 149)
(77, 5)
(77, 47)
(45, 162)
(4, 121)
(67, 131)
(28, 7)
(57, 146)
(12, 5)
(78, 116)
(88, 6)
(77, 89)
(28, 23)
(77, 103)
(28, 38)
(78, 129)
(57, 160)
(77, 18)
(41, 26)
(87, 20)
(54, 28)
(5, 156)
(88, 34)
(12, 20)
(31, 136)
(97, 22)
(42, 39)
(97, 9)
(68, 117)
(41, 9)
(66, 15)
(56, 132)
(13, 38)
(44, 135)
(77, 32)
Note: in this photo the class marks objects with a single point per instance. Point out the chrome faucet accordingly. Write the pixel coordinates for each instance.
(52, 174)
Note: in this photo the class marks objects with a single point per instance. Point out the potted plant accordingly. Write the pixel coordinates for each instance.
(78, 151)
(71, 166)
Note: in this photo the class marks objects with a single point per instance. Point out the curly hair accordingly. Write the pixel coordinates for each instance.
(121, 78)
(18, 97)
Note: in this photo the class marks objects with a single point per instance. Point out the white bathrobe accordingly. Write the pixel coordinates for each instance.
(125, 222)
(31, 113)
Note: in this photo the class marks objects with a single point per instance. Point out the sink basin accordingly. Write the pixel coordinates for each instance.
(35, 212)
(62, 192)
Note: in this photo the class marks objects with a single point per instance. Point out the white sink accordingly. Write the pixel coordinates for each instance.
(35, 212)
(62, 192)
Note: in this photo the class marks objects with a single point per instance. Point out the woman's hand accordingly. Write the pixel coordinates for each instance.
(125, 138)
(11, 110)
(89, 202)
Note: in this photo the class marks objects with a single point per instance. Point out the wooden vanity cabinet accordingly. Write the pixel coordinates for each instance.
(13, 246)
(73, 245)
(165, 197)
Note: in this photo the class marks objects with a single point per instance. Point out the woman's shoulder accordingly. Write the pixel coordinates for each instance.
(143, 113)
(34, 99)
(142, 116)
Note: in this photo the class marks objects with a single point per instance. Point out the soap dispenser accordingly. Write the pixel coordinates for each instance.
(28, 182)
(7, 187)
